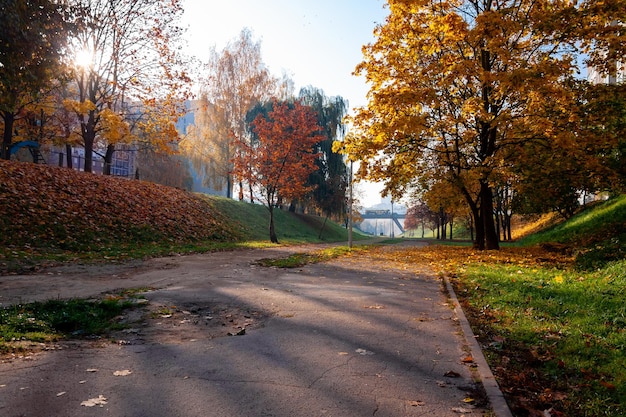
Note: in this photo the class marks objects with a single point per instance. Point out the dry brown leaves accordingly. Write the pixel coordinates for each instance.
(447, 259)
(48, 206)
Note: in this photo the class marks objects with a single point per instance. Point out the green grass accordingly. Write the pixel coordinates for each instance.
(597, 235)
(556, 330)
(599, 218)
(55, 320)
(570, 327)
(252, 222)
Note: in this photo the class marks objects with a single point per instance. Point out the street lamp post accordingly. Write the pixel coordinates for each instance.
(350, 211)
(391, 233)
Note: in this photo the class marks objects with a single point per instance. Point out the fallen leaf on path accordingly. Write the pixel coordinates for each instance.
(452, 374)
(92, 402)
(417, 403)
(461, 410)
(61, 393)
(92, 370)
(467, 359)
(364, 352)
(125, 372)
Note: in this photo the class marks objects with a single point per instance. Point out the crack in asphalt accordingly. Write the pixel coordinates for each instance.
(323, 374)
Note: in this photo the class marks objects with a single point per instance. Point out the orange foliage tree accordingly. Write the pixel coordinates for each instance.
(281, 156)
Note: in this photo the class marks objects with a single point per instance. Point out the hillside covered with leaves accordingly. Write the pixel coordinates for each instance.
(50, 214)
(69, 208)
(52, 210)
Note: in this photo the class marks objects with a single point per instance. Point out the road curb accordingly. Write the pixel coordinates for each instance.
(492, 389)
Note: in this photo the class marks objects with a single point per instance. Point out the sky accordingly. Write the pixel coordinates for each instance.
(315, 42)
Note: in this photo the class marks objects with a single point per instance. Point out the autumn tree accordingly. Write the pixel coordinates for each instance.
(236, 80)
(207, 145)
(129, 76)
(604, 118)
(33, 35)
(419, 215)
(281, 157)
(458, 87)
(558, 174)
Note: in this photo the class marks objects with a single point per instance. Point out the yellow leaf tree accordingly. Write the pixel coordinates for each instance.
(457, 86)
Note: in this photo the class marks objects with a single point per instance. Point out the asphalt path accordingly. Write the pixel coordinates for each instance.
(222, 336)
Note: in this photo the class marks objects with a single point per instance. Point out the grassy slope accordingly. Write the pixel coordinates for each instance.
(54, 214)
(550, 314)
(595, 236)
(252, 221)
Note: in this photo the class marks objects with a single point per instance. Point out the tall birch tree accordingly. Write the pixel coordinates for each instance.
(236, 80)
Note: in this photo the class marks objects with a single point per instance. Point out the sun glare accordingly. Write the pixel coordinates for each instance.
(84, 58)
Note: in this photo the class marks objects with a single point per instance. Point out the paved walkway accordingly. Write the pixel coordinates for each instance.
(352, 337)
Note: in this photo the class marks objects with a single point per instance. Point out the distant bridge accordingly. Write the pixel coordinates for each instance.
(384, 214)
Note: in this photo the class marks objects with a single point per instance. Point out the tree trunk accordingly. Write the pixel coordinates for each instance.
(479, 242)
(508, 227)
(323, 225)
(108, 159)
(68, 159)
(7, 137)
(89, 137)
(486, 209)
(499, 225)
(451, 226)
(273, 237)
(251, 193)
(229, 186)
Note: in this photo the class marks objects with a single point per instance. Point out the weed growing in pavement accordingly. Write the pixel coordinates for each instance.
(55, 320)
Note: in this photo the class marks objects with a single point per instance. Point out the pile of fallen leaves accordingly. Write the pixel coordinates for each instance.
(51, 207)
